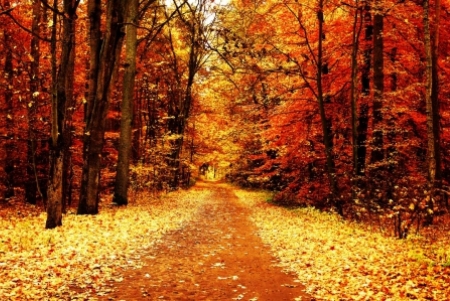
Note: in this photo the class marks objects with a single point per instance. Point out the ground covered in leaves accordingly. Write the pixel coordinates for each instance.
(339, 260)
(189, 245)
(76, 261)
(214, 242)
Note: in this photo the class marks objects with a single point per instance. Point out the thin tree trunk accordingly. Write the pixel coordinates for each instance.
(54, 204)
(125, 140)
(32, 183)
(9, 142)
(353, 89)
(378, 83)
(435, 92)
(431, 99)
(60, 134)
(331, 170)
(70, 7)
(363, 118)
(391, 149)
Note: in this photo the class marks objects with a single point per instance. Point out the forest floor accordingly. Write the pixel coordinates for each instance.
(213, 242)
(218, 256)
(187, 245)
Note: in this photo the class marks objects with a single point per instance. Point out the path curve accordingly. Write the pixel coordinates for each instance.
(218, 256)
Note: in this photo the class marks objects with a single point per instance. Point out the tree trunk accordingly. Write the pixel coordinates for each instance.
(435, 93)
(54, 204)
(327, 138)
(378, 83)
(60, 133)
(31, 186)
(431, 99)
(85, 205)
(353, 91)
(9, 142)
(125, 140)
(363, 118)
(70, 6)
(103, 67)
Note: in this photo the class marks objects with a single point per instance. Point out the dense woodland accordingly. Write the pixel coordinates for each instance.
(341, 105)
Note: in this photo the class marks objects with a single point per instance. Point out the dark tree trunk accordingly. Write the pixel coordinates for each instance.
(353, 89)
(432, 105)
(327, 132)
(60, 134)
(125, 140)
(9, 142)
(31, 187)
(363, 117)
(88, 205)
(435, 92)
(103, 66)
(377, 155)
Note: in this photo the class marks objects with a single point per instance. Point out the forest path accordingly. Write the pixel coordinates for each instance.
(218, 256)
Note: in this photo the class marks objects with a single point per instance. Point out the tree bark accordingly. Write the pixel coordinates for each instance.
(435, 91)
(85, 205)
(9, 145)
(363, 117)
(104, 58)
(62, 99)
(327, 137)
(378, 82)
(432, 104)
(353, 88)
(125, 140)
(31, 188)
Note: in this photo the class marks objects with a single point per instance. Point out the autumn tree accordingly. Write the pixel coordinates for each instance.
(8, 113)
(62, 108)
(185, 63)
(431, 38)
(32, 187)
(121, 185)
(104, 57)
(377, 154)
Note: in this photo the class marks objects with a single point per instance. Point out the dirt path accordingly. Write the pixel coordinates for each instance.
(217, 257)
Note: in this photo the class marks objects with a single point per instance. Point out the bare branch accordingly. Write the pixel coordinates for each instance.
(6, 11)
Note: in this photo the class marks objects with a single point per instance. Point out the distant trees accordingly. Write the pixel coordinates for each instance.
(381, 104)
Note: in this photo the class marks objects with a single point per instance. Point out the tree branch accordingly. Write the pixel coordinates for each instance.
(6, 11)
(26, 29)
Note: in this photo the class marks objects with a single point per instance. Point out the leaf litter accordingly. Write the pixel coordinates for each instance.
(340, 260)
(79, 259)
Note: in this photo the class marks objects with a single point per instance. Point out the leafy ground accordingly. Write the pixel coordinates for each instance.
(217, 256)
(338, 260)
(195, 245)
(208, 244)
(77, 260)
